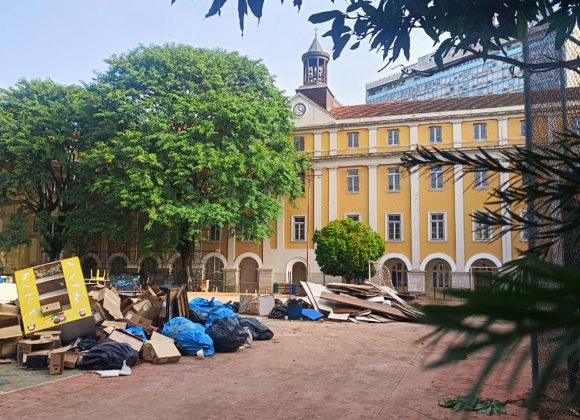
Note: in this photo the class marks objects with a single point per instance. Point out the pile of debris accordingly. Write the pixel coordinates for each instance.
(57, 323)
(359, 303)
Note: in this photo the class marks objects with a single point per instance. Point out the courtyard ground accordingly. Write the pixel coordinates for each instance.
(320, 370)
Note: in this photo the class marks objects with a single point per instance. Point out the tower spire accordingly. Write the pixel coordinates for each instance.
(315, 63)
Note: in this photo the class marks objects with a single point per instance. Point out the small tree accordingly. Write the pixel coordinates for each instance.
(344, 248)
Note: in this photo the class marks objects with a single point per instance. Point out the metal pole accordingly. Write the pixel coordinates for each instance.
(528, 180)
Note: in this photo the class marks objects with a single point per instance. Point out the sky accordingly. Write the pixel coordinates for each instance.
(67, 40)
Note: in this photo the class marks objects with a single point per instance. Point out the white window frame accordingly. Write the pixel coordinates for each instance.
(393, 137)
(211, 236)
(294, 223)
(352, 140)
(522, 128)
(436, 188)
(352, 215)
(477, 184)
(398, 178)
(353, 177)
(444, 226)
(480, 131)
(401, 227)
(435, 134)
(475, 225)
(301, 142)
(524, 232)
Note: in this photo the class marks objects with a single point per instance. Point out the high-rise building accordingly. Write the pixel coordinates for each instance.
(472, 78)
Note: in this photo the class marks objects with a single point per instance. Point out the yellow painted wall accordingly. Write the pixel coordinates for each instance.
(342, 142)
(382, 139)
(353, 202)
(446, 134)
(467, 133)
(324, 197)
(394, 202)
(514, 130)
(436, 201)
(308, 141)
(244, 246)
(325, 146)
(475, 200)
(300, 208)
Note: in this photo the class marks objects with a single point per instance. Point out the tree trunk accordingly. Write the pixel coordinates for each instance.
(187, 252)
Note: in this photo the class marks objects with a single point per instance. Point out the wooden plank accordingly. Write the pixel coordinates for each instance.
(360, 303)
(313, 291)
(338, 317)
(182, 303)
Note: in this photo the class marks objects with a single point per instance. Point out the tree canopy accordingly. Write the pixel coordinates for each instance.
(40, 144)
(454, 26)
(345, 247)
(200, 138)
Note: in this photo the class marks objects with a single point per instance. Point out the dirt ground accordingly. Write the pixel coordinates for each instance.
(320, 370)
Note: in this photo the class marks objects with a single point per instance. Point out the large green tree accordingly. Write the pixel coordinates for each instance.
(41, 142)
(345, 247)
(193, 138)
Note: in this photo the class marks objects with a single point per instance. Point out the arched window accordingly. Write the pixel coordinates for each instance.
(481, 271)
(398, 271)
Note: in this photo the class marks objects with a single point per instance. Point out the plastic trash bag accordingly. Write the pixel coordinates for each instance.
(189, 337)
(279, 311)
(259, 331)
(227, 335)
(175, 326)
(137, 331)
(107, 356)
(221, 312)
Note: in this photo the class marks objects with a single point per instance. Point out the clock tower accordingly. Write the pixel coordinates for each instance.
(315, 76)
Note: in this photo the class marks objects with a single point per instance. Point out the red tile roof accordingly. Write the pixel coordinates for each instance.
(427, 106)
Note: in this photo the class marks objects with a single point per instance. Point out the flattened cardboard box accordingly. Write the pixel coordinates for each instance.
(160, 352)
(137, 320)
(116, 324)
(112, 304)
(155, 336)
(120, 336)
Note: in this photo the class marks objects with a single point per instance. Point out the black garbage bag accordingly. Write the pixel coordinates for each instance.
(259, 331)
(279, 311)
(109, 355)
(86, 343)
(227, 335)
(236, 307)
(198, 316)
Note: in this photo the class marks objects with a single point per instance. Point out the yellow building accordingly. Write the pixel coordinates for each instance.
(424, 216)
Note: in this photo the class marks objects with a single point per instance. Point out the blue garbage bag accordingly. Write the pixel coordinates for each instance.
(223, 312)
(137, 331)
(189, 337)
(204, 305)
(175, 326)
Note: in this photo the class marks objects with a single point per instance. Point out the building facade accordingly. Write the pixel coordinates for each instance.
(472, 78)
(424, 216)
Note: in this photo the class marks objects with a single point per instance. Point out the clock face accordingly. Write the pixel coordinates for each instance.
(299, 109)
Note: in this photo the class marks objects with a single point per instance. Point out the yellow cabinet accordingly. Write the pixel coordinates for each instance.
(52, 294)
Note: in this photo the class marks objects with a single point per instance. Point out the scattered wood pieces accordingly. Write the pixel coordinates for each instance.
(360, 303)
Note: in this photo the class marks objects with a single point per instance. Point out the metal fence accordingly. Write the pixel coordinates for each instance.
(552, 107)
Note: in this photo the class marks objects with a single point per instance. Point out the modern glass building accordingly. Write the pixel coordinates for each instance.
(473, 78)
